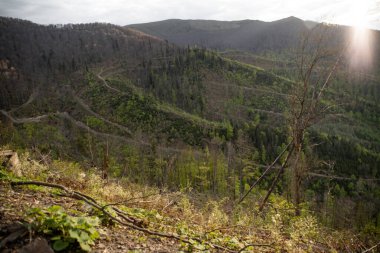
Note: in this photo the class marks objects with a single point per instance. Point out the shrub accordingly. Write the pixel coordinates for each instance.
(64, 230)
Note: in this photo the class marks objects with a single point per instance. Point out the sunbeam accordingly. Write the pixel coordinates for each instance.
(360, 50)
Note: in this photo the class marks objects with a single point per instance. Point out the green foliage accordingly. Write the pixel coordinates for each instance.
(64, 230)
(95, 123)
(6, 175)
(162, 92)
(144, 214)
(42, 136)
(371, 230)
(142, 112)
(105, 220)
(304, 228)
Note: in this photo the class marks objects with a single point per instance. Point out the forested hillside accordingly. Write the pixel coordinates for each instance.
(164, 114)
(251, 35)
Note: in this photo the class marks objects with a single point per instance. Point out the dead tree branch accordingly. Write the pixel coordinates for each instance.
(274, 182)
(373, 247)
(265, 172)
(255, 245)
(90, 201)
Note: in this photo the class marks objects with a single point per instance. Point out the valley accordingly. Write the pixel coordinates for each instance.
(201, 108)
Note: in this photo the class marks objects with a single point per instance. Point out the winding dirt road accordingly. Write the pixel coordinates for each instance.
(88, 109)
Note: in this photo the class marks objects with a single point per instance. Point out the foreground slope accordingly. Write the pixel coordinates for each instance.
(62, 206)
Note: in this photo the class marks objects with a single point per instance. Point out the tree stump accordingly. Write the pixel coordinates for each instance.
(11, 161)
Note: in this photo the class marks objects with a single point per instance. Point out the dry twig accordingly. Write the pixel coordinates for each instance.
(92, 202)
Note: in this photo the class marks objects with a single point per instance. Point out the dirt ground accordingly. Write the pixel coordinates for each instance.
(15, 201)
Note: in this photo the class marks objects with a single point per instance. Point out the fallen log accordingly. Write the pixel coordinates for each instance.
(121, 218)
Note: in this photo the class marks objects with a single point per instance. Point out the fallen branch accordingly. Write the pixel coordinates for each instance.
(274, 182)
(255, 245)
(170, 203)
(373, 247)
(225, 228)
(92, 202)
(265, 172)
(340, 177)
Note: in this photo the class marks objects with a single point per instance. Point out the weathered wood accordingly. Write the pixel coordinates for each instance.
(12, 161)
(6, 152)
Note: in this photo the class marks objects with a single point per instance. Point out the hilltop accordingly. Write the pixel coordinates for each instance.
(251, 35)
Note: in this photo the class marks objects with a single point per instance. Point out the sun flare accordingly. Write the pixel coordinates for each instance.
(360, 53)
(358, 14)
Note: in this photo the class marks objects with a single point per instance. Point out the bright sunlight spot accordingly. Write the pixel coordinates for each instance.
(358, 15)
(360, 50)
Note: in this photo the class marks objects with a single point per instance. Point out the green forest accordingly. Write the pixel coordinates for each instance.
(192, 148)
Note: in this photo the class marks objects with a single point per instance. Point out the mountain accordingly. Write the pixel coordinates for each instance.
(33, 55)
(118, 82)
(278, 40)
(249, 35)
(136, 106)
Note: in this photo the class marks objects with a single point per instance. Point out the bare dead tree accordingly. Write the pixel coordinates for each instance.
(317, 60)
(105, 166)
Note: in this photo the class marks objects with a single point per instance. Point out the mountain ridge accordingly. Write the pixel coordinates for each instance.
(251, 35)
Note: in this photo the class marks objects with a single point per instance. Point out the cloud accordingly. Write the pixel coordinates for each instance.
(124, 12)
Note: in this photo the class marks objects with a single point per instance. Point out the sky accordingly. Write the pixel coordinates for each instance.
(365, 13)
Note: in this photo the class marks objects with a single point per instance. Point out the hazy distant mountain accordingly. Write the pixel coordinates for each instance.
(258, 37)
(252, 35)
